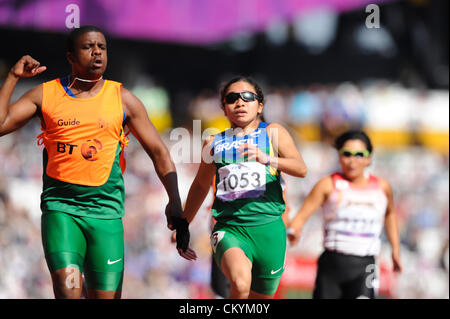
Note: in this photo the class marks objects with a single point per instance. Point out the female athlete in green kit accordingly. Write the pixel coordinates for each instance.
(249, 238)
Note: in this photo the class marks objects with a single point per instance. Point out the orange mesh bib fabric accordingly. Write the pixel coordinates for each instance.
(81, 135)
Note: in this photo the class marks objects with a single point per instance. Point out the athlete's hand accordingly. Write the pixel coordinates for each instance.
(27, 67)
(396, 263)
(173, 209)
(189, 254)
(173, 237)
(253, 153)
(182, 228)
(176, 222)
(293, 235)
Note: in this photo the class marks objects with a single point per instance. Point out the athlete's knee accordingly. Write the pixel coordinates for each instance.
(240, 280)
(240, 285)
(237, 268)
(67, 283)
(103, 294)
(257, 295)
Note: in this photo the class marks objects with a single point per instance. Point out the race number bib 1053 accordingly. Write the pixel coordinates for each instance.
(241, 180)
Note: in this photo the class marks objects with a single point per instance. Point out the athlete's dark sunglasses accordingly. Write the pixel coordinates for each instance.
(246, 96)
(358, 154)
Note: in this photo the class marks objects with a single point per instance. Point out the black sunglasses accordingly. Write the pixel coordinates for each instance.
(358, 154)
(246, 96)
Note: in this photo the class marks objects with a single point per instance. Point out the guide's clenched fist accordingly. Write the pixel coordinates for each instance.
(27, 67)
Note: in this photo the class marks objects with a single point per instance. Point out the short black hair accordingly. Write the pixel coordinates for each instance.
(249, 80)
(75, 33)
(353, 135)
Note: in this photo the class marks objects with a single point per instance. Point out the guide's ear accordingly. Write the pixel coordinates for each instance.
(70, 57)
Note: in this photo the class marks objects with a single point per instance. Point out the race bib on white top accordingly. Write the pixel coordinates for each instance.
(241, 180)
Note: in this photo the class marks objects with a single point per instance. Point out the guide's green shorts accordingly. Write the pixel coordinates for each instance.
(94, 246)
(264, 245)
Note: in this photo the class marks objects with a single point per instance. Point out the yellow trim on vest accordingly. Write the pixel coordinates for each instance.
(272, 170)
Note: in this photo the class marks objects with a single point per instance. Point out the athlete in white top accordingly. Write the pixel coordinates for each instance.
(355, 207)
(354, 216)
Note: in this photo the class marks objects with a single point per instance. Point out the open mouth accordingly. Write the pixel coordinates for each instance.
(98, 63)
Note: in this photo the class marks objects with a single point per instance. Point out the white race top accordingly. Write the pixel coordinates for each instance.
(354, 217)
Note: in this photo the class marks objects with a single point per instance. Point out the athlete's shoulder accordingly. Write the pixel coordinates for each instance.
(383, 183)
(53, 81)
(37, 88)
(337, 176)
(208, 140)
(326, 180)
(131, 105)
(273, 125)
(111, 85)
(128, 98)
(35, 94)
(112, 82)
(276, 129)
(208, 144)
(125, 92)
(49, 87)
(325, 184)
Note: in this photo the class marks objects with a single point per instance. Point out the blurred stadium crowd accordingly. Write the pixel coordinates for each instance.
(409, 129)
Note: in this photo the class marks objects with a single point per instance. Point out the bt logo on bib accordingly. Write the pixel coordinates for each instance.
(90, 149)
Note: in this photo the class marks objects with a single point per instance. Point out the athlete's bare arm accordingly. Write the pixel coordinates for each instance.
(147, 135)
(318, 195)
(139, 124)
(201, 184)
(289, 159)
(16, 115)
(287, 210)
(390, 224)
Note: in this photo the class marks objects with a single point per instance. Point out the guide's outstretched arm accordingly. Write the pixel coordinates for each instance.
(13, 117)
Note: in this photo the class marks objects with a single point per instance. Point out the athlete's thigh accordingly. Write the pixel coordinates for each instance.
(67, 283)
(224, 237)
(256, 295)
(63, 241)
(103, 294)
(358, 288)
(236, 265)
(364, 281)
(269, 254)
(327, 284)
(326, 287)
(104, 262)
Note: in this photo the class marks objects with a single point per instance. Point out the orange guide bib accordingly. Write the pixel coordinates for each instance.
(81, 135)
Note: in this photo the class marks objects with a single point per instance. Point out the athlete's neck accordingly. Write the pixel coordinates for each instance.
(247, 128)
(358, 181)
(82, 84)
